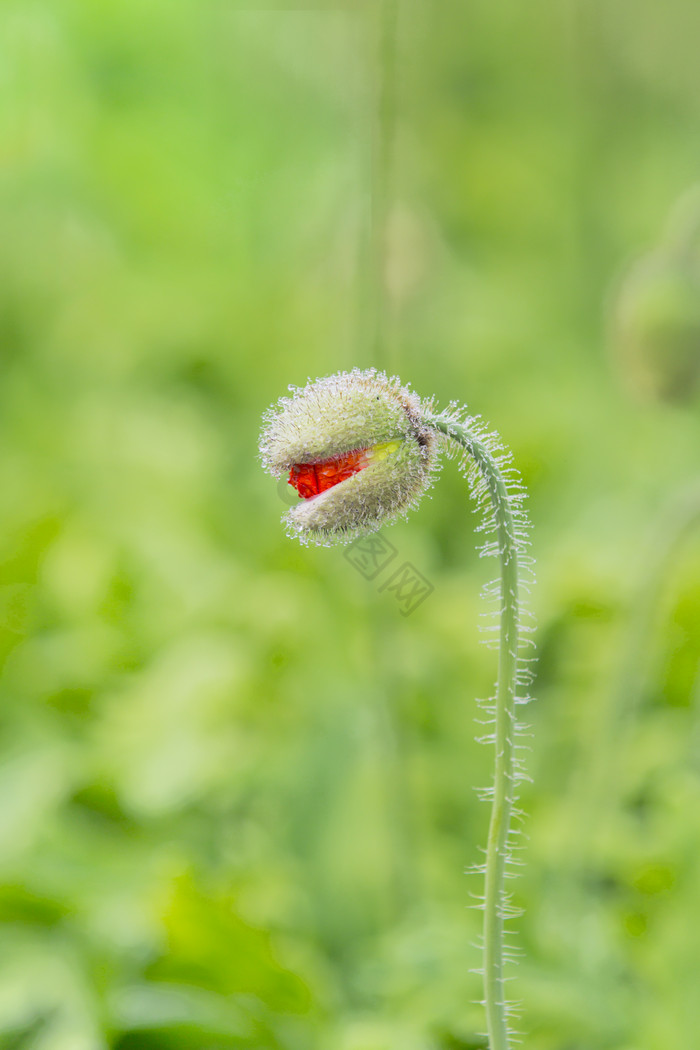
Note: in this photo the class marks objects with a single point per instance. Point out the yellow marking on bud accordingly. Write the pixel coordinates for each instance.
(382, 450)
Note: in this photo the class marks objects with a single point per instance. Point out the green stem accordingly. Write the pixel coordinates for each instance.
(384, 125)
(505, 522)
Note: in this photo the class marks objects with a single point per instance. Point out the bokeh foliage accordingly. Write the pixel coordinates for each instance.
(235, 784)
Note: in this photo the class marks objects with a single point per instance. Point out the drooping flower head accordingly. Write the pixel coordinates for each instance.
(355, 449)
(360, 449)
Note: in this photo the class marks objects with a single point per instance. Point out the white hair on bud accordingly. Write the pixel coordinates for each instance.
(341, 414)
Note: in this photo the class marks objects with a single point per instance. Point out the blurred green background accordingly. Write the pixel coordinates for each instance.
(236, 785)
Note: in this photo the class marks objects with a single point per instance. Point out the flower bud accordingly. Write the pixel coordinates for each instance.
(657, 311)
(657, 328)
(354, 447)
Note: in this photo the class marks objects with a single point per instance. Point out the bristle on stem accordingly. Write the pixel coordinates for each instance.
(499, 498)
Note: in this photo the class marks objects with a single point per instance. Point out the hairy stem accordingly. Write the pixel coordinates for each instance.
(497, 850)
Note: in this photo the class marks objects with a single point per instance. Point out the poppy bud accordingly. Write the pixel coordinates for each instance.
(657, 328)
(657, 312)
(354, 447)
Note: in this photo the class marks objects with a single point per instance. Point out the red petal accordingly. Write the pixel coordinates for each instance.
(303, 477)
(311, 478)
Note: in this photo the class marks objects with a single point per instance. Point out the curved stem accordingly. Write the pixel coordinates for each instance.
(498, 845)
